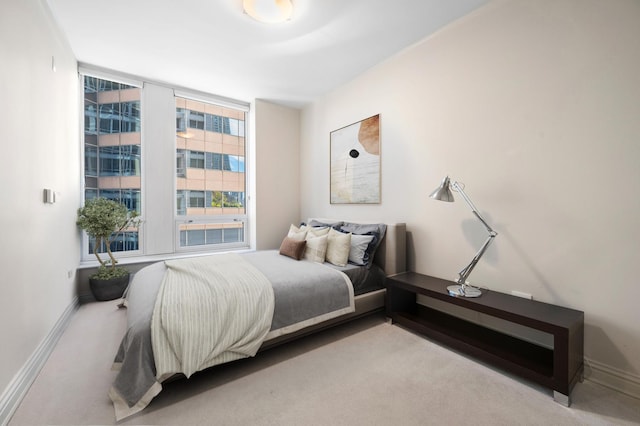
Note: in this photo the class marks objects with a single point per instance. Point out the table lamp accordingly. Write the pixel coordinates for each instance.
(443, 193)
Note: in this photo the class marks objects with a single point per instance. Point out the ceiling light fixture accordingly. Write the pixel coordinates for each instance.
(268, 11)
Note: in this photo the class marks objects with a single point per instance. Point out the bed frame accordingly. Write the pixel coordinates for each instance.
(144, 387)
(390, 256)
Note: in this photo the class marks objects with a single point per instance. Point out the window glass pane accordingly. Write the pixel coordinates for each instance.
(181, 163)
(131, 199)
(214, 236)
(109, 118)
(109, 160)
(226, 165)
(241, 128)
(90, 184)
(216, 199)
(90, 117)
(216, 123)
(122, 242)
(90, 194)
(209, 234)
(181, 202)
(236, 163)
(233, 235)
(233, 199)
(226, 125)
(196, 159)
(217, 213)
(192, 237)
(196, 198)
(130, 112)
(208, 123)
(111, 194)
(90, 85)
(208, 160)
(217, 161)
(181, 120)
(130, 160)
(112, 169)
(196, 120)
(90, 160)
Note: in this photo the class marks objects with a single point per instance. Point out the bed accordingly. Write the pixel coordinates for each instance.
(187, 315)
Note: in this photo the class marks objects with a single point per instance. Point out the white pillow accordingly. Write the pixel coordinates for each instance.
(298, 234)
(338, 247)
(316, 248)
(359, 244)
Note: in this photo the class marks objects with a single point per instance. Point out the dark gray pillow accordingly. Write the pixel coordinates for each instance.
(377, 230)
(315, 224)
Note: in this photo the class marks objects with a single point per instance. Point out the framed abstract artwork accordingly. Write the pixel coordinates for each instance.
(355, 163)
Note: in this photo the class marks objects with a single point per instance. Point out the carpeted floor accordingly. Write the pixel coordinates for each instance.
(364, 373)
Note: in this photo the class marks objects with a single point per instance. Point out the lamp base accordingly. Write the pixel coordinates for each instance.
(466, 291)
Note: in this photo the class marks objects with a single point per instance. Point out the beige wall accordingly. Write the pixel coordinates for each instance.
(277, 131)
(535, 106)
(40, 149)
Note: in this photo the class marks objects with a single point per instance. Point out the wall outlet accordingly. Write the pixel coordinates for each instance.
(69, 273)
(521, 294)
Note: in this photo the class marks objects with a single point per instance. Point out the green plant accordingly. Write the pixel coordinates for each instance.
(107, 273)
(103, 220)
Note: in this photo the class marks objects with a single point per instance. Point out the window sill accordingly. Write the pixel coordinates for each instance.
(134, 260)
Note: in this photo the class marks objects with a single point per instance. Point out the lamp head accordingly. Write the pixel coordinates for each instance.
(443, 192)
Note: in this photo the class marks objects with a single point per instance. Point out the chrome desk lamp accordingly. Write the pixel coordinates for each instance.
(443, 193)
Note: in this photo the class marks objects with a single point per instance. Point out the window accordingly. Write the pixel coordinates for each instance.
(112, 159)
(189, 185)
(196, 159)
(210, 199)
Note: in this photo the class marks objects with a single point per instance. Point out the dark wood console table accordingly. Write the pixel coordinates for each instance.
(559, 368)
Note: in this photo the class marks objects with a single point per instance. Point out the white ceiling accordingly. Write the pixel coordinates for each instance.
(212, 46)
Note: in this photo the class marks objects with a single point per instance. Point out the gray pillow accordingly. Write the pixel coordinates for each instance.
(359, 244)
(316, 223)
(377, 230)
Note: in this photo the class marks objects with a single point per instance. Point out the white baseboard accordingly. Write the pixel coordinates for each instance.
(17, 389)
(612, 378)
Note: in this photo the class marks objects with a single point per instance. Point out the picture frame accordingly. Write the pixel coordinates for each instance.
(355, 163)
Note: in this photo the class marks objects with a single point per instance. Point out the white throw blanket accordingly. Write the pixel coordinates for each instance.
(209, 310)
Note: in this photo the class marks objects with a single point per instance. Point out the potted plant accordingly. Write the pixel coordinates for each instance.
(103, 220)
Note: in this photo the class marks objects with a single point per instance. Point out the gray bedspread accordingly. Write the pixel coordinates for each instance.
(305, 293)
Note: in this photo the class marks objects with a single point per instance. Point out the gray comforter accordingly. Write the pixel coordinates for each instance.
(305, 293)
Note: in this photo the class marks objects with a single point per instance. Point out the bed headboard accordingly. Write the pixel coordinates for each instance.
(392, 252)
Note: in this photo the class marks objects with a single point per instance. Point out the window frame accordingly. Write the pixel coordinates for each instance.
(87, 257)
(150, 246)
(202, 220)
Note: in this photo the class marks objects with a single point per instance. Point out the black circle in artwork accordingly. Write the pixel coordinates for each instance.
(354, 153)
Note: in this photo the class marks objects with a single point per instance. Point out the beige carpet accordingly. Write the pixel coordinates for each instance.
(364, 373)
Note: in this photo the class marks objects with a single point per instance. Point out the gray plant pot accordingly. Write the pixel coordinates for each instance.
(108, 289)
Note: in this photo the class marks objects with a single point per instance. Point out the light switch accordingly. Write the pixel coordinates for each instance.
(49, 196)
